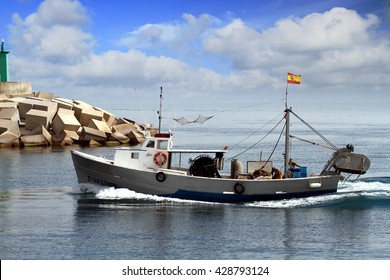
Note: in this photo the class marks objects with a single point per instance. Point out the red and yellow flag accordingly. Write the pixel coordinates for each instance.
(294, 78)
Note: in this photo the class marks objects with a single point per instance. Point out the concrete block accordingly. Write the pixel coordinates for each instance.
(65, 111)
(94, 143)
(8, 104)
(109, 118)
(88, 114)
(65, 138)
(61, 140)
(7, 139)
(42, 130)
(79, 106)
(48, 106)
(11, 126)
(16, 88)
(77, 111)
(36, 118)
(34, 140)
(45, 95)
(28, 103)
(117, 136)
(10, 114)
(87, 134)
(3, 97)
(82, 103)
(24, 105)
(72, 135)
(135, 137)
(65, 121)
(122, 121)
(63, 103)
(100, 125)
(24, 131)
(153, 130)
(15, 95)
(64, 100)
(124, 128)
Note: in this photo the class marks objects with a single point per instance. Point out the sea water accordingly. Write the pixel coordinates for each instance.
(44, 215)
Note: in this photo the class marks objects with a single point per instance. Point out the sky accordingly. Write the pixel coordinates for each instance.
(117, 54)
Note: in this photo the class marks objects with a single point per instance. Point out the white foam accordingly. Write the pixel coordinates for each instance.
(113, 193)
(346, 190)
(102, 192)
(364, 186)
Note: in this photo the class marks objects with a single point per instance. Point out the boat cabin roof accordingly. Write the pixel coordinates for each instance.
(182, 151)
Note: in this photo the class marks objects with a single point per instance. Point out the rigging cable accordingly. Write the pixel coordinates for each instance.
(235, 145)
(313, 143)
(316, 132)
(277, 143)
(257, 141)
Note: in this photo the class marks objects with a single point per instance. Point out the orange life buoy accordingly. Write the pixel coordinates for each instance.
(160, 158)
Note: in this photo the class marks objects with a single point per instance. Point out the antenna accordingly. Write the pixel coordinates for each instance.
(160, 111)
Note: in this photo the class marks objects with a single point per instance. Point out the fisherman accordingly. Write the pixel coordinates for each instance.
(260, 173)
(276, 173)
(293, 166)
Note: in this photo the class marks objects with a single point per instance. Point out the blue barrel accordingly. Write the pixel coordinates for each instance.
(296, 174)
(294, 169)
(303, 171)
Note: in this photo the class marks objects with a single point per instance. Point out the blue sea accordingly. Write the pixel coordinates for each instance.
(44, 215)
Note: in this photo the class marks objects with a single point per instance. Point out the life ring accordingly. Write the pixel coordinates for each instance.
(160, 159)
(160, 176)
(238, 188)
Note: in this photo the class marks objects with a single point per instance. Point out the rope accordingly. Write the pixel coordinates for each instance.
(332, 146)
(255, 132)
(316, 132)
(311, 142)
(277, 143)
(257, 141)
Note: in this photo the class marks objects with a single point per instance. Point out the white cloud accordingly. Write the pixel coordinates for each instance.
(59, 12)
(53, 33)
(53, 49)
(132, 68)
(337, 29)
(178, 36)
(330, 44)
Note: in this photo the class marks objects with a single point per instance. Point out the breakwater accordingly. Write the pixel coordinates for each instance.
(43, 119)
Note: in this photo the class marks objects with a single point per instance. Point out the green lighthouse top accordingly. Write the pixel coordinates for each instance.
(4, 76)
(2, 47)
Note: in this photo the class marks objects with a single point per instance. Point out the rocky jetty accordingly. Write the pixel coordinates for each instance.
(43, 119)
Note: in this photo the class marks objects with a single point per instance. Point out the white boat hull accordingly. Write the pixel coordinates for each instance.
(170, 183)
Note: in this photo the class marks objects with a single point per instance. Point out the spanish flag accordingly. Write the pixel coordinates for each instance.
(294, 78)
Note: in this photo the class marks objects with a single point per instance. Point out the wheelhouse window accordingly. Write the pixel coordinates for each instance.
(150, 144)
(162, 144)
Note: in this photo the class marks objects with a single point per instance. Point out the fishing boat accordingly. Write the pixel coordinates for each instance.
(150, 169)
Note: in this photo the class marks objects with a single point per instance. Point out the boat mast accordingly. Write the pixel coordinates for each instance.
(287, 140)
(160, 111)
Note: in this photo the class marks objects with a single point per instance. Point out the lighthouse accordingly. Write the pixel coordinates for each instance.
(4, 76)
(8, 88)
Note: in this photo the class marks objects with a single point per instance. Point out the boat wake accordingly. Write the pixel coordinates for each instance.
(114, 195)
(367, 192)
(363, 193)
